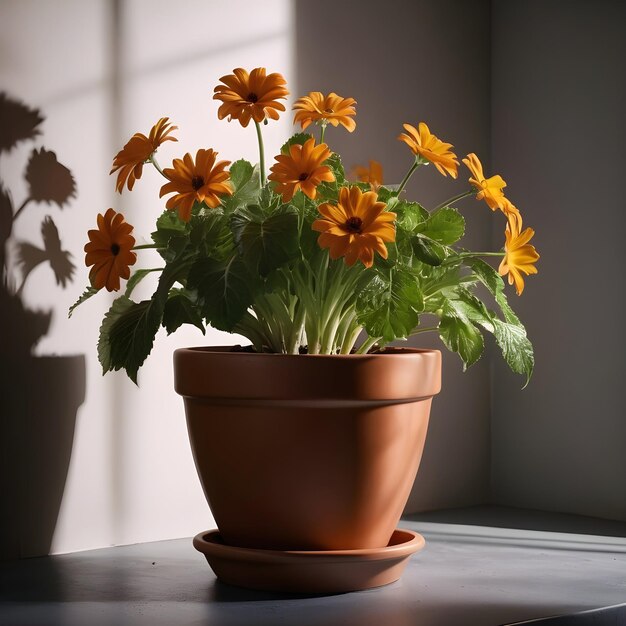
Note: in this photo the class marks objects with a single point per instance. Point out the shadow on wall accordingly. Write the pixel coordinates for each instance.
(39, 396)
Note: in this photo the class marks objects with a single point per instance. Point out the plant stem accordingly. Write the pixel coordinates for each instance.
(322, 132)
(21, 208)
(145, 246)
(465, 255)
(454, 199)
(158, 167)
(261, 153)
(430, 329)
(415, 165)
(367, 344)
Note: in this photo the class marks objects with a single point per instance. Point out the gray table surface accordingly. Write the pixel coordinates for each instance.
(481, 566)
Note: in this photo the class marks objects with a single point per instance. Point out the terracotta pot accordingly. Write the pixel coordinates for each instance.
(307, 452)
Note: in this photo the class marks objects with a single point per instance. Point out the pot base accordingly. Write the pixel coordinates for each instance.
(300, 571)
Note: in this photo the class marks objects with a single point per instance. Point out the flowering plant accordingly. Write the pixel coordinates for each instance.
(305, 259)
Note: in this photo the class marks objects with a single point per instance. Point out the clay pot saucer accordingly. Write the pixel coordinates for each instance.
(309, 571)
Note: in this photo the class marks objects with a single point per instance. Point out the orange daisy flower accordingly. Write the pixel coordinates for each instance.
(520, 255)
(489, 189)
(110, 251)
(130, 159)
(423, 143)
(331, 109)
(372, 174)
(252, 95)
(356, 227)
(202, 181)
(301, 169)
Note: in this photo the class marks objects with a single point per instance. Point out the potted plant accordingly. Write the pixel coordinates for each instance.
(309, 438)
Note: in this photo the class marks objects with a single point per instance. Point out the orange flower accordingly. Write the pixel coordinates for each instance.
(130, 159)
(512, 214)
(109, 250)
(428, 146)
(201, 181)
(301, 169)
(489, 189)
(253, 95)
(372, 175)
(356, 227)
(331, 109)
(520, 256)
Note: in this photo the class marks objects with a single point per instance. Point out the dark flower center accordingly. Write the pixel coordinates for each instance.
(252, 97)
(115, 249)
(197, 182)
(353, 224)
(328, 111)
(303, 176)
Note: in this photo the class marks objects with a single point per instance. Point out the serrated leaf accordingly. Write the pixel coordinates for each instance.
(516, 348)
(224, 290)
(412, 217)
(494, 283)
(389, 306)
(247, 189)
(298, 138)
(266, 243)
(460, 335)
(240, 173)
(118, 308)
(428, 250)
(89, 291)
(446, 225)
(135, 279)
(467, 305)
(180, 309)
(336, 167)
(168, 225)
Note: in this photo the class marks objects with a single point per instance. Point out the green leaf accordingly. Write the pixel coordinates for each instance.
(210, 235)
(181, 309)
(135, 279)
(266, 243)
(169, 225)
(128, 329)
(412, 217)
(389, 305)
(445, 225)
(428, 250)
(516, 348)
(89, 291)
(494, 283)
(467, 305)
(225, 290)
(298, 138)
(460, 335)
(240, 173)
(336, 167)
(247, 185)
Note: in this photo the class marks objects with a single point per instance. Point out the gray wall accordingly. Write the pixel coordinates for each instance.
(411, 61)
(559, 137)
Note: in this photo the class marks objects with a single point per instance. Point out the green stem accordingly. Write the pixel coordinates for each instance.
(158, 167)
(21, 208)
(367, 344)
(430, 329)
(261, 153)
(465, 255)
(350, 339)
(408, 175)
(322, 132)
(454, 199)
(145, 246)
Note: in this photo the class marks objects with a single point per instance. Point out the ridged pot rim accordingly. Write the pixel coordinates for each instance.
(218, 372)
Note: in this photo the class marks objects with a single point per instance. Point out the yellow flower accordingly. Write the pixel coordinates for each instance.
(428, 146)
(512, 214)
(332, 109)
(301, 169)
(252, 95)
(202, 181)
(356, 227)
(109, 250)
(372, 174)
(489, 189)
(520, 255)
(130, 159)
